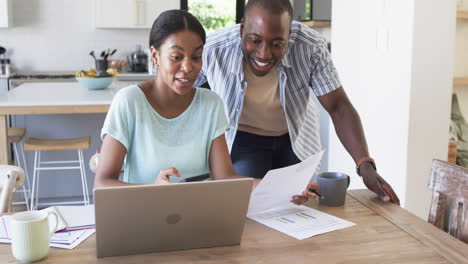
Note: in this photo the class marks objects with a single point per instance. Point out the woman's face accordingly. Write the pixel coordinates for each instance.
(179, 60)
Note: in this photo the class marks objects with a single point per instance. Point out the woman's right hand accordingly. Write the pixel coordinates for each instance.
(163, 177)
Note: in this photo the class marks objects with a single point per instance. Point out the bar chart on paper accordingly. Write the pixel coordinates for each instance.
(300, 221)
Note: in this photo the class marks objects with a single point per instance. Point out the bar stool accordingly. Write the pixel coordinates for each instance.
(38, 145)
(15, 135)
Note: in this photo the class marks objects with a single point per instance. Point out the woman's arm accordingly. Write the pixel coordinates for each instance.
(221, 163)
(111, 160)
(110, 165)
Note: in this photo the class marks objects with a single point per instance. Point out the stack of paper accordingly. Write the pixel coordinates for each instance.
(75, 224)
(269, 202)
(73, 217)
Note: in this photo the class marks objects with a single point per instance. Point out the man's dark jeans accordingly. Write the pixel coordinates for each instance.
(254, 155)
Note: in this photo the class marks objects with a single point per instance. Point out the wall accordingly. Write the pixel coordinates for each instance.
(397, 73)
(461, 59)
(432, 74)
(58, 35)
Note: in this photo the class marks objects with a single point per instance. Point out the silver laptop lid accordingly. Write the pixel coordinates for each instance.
(154, 218)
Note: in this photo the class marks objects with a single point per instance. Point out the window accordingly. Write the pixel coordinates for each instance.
(305, 10)
(215, 14)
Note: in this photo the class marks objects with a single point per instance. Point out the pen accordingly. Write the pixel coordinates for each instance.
(314, 191)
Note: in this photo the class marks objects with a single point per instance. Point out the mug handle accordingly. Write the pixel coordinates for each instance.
(51, 232)
(348, 180)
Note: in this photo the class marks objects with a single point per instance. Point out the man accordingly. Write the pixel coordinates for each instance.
(265, 70)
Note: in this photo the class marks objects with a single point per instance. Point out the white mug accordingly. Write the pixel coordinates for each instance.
(30, 235)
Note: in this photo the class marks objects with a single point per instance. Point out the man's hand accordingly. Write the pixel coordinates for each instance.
(377, 184)
(306, 194)
(164, 174)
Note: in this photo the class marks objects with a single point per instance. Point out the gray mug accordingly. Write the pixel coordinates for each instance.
(332, 187)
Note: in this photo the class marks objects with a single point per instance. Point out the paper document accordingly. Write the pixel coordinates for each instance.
(73, 217)
(279, 186)
(61, 239)
(269, 202)
(300, 221)
(75, 224)
(76, 238)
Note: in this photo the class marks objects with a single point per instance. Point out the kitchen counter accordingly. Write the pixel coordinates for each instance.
(133, 76)
(58, 94)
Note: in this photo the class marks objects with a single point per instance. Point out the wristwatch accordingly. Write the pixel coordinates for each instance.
(362, 160)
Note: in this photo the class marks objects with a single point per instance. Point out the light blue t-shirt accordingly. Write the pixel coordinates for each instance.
(154, 142)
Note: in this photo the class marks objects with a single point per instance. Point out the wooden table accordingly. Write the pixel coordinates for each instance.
(385, 233)
(51, 98)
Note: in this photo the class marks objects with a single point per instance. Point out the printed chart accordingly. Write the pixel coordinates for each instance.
(300, 221)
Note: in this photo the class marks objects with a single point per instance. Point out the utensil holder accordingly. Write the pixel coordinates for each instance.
(101, 68)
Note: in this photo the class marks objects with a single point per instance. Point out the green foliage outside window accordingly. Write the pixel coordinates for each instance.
(213, 14)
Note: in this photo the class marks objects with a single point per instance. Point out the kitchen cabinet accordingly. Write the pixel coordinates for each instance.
(130, 13)
(5, 13)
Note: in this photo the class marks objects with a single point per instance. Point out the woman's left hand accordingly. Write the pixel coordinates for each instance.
(306, 194)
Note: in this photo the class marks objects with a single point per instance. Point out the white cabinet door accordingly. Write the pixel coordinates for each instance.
(5, 10)
(130, 13)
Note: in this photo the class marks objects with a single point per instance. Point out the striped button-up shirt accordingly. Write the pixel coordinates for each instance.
(305, 68)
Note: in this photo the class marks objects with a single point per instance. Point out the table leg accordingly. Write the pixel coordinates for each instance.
(3, 140)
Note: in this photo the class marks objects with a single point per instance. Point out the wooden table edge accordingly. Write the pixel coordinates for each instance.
(447, 246)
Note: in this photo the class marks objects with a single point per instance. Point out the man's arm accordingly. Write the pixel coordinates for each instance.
(349, 129)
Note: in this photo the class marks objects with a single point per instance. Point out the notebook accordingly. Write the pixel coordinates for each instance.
(155, 218)
(73, 217)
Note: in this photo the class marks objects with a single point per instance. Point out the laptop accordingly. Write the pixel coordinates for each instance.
(155, 218)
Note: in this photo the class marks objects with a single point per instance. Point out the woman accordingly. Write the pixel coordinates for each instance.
(164, 129)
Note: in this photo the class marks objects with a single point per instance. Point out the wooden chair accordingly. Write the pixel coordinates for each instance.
(452, 152)
(449, 184)
(11, 178)
(16, 136)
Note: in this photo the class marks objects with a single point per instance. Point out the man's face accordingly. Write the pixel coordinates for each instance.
(264, 39)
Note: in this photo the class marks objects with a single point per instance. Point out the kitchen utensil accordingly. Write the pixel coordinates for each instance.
(92, 54)
(138, 60)
(7, 67)
(101, 68)
(103, 53)
(117, 64)
(109, 53)
(113, 52)
(2, 60)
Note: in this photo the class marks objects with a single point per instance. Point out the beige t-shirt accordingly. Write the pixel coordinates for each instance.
(262, 113)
